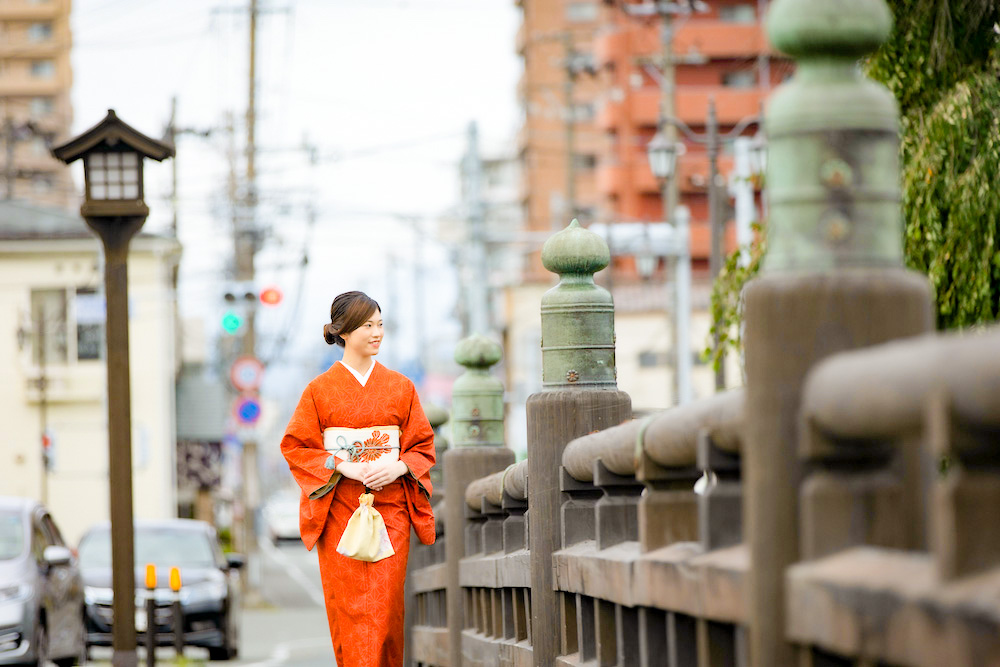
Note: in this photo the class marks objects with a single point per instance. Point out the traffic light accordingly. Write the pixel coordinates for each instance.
(270, 296)
(231, 322)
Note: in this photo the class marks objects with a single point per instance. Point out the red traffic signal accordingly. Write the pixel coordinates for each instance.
(270, 296)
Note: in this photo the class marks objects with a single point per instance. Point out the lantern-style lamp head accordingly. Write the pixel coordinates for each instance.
(113, 153)
(662, 156)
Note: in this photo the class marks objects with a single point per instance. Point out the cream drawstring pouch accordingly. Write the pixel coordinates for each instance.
(365, 537)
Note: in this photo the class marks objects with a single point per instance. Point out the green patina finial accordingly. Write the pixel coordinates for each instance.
(575, 250)
(833, 167)
(578, 316)
(477, 396)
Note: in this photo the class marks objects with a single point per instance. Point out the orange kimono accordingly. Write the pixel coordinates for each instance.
(364, 601)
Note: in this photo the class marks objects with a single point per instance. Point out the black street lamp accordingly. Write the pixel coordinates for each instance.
(114, 209)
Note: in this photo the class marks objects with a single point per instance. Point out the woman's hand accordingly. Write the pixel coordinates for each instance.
(355, 470)
(381, 473)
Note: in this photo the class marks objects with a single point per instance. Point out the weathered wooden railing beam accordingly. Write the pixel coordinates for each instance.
(667, 452)
(914, 401)
(515, 504)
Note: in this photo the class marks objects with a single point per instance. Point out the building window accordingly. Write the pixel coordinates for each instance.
(89, 311)
(742, 79)
(39, 32)
(42, 106)
(653, 359)
(585, 214)
(43, 69)
(584, 161)
(738, 13)
(42, 184)
(56, 312)
(583, 112)
(581, 12)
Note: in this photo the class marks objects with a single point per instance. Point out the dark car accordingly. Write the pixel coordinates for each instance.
(41, 594)
(209, 593)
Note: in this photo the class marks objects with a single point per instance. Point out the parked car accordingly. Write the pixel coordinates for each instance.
(41, 593)
(281, 517)
(209, 595)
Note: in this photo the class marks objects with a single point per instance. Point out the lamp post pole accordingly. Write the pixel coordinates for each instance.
(115, 236)
(114, 208)
(715, 258)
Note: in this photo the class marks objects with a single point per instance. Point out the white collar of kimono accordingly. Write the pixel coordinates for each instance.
(362, 379)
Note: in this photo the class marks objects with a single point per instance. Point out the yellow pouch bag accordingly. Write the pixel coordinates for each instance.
(366, 537)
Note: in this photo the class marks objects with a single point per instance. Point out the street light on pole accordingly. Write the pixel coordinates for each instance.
(114, 209)
(663, 162)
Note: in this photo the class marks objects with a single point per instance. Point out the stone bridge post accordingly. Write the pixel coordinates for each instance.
(477, 449)
(580, 395)
(833, 278)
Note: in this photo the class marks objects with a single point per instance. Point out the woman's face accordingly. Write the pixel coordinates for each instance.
(366, 339)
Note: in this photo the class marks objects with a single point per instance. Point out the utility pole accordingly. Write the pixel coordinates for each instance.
(670, 189)
(9, 168)
(478, 292)
(245, 248)
(43, 399)
(569, 94)
(172, 138)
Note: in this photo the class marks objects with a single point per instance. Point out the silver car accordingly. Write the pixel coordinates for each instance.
(41, 593)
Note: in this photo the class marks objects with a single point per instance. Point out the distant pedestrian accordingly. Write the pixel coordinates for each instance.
(359, 429)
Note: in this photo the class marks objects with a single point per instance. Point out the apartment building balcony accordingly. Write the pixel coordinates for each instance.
(705, 39)
(14, 86)
(610, 45)
(720, 39)
(27, 50)
(25, 10)
(641, 108)
(614, 178)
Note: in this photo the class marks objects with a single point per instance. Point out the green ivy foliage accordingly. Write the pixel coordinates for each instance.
(942, 63)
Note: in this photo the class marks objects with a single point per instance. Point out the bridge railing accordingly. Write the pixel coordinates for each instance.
(495, 575)
(900, 540)
(427, 584)
(649, 569)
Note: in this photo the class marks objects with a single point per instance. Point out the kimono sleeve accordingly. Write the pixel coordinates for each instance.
(302, 447)
(416, 446)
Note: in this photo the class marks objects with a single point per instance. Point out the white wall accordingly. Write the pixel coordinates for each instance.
(77, 490)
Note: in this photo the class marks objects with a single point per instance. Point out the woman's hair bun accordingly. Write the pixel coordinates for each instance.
(330, 335)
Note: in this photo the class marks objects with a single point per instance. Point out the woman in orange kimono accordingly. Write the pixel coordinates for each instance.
(364, 600)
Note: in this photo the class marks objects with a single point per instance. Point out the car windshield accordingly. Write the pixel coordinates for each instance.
(12, 542)
(165, 547)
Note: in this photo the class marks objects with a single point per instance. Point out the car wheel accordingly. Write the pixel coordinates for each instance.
(81, 655)
(229, 648)
(220, 653)
(41, 645)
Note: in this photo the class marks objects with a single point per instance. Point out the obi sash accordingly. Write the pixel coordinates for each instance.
(374, 443)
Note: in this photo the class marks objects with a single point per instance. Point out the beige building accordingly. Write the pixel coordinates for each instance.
(35, 109)
(590, 102)
(52, 301)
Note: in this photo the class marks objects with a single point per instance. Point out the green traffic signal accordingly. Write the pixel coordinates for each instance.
(231, 322)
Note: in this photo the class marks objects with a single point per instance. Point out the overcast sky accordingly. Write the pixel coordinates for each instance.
(382, 89)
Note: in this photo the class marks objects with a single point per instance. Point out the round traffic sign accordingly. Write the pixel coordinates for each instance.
(246, 374)
(247, 409)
